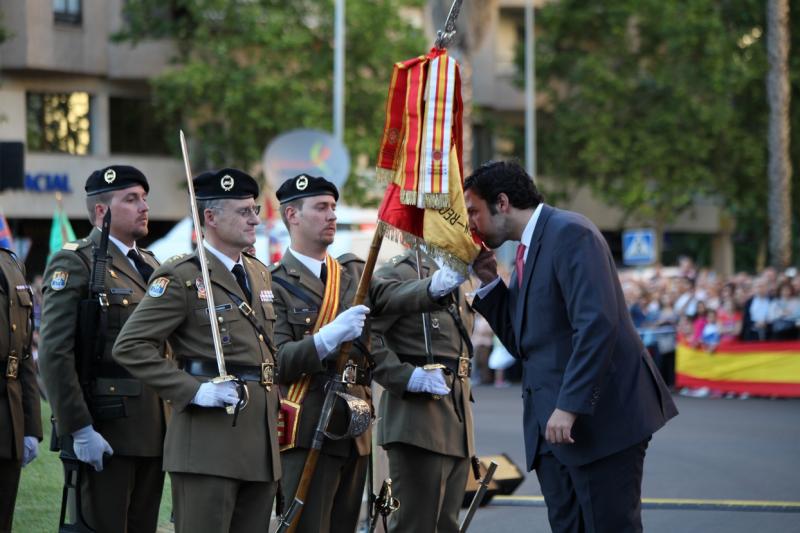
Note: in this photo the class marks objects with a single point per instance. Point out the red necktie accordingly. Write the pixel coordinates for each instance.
(520, 261)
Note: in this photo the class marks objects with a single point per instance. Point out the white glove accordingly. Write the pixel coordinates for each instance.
(431, 381)
(89, 447)
(345, 327)
(216, 394)
(444, 281)
(30, 449)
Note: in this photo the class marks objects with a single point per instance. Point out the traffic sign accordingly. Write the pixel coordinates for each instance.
(639, 247)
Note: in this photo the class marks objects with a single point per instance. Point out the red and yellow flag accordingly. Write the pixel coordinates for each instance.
(420, 159)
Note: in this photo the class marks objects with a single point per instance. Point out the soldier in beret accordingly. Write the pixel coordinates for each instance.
(313, 298)
(20, 417)
(429, 440)
(114, 414)
(224, 477)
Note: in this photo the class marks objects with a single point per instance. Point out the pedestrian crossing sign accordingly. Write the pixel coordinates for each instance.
(638, 247)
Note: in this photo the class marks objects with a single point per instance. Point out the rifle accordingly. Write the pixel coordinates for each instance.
(90, 344)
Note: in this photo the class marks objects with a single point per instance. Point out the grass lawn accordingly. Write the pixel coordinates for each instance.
(39, 498)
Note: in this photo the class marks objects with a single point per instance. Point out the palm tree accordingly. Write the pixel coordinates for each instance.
(780, 166)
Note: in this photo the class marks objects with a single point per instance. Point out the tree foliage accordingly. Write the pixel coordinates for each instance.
(247, 70)
(655, 104)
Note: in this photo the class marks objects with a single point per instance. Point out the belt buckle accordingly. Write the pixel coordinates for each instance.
(464, 367)
(245, 308)
(267, 375)
(12, 366)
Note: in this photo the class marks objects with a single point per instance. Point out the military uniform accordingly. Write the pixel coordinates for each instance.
(19, 394)
(126, 495)
(201, 443)
(334, 499)
(429, 441)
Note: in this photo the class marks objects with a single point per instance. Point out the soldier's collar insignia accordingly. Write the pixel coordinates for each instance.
(109, 176)
(59, 280)
(158, 287)
(302, 183)
(226, 182)
(112, 274)
(266, 296)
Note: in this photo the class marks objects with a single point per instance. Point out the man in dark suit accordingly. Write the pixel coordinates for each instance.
(592, 395)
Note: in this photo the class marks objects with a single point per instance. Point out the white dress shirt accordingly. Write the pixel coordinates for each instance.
(527, 235)
(124, 248)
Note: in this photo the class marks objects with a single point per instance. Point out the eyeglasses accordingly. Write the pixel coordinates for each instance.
(245, 212)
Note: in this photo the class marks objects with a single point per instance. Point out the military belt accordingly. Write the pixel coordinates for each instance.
(363, 376)
(461, 366)
(263, 374)
(10, 367)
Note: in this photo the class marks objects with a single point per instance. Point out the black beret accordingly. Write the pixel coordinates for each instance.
(303, 186)
(114, 178)
(226, 183)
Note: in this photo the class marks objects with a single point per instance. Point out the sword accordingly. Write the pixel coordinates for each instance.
(210, 306)
(483, 485)
(426, 330)
(385, 505)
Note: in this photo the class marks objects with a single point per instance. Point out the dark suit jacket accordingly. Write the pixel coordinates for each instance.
(570, 326)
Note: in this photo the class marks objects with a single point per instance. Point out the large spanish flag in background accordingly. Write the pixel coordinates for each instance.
(758, 368)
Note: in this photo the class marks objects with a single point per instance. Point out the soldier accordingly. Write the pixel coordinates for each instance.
(109, 412)
(429, 441)
(307, 347)
(224, 476)
(20, 417)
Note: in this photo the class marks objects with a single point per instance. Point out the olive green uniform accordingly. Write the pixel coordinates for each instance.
(126, 495)
(19, 394)
(334, 499)
(223, 477)
(429, 441)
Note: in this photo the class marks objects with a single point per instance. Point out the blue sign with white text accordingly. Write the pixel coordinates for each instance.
(46, 182)
(639, 247)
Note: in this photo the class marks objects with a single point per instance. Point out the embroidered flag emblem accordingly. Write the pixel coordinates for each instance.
(59, 280)
(158, 287)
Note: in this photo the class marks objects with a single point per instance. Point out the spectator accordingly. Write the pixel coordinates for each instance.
(711, 334)
(699, 321)
(784, 313)
(755, 322)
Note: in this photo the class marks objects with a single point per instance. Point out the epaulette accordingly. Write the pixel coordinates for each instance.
(252, 257)
(175, 259)
(76, 245)
(148, 252)
(349, 258)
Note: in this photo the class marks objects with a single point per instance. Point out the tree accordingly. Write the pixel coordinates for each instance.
(780, 165)
(247, 70)
(655, 104)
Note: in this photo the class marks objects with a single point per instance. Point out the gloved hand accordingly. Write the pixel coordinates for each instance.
(444, 281)
(89, 447)
(345, 327)
(431, 381)
(216, 394)
(30, 449)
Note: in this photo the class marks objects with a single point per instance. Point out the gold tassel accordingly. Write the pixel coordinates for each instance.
(384, 175)
(408, 197)
(436, 200)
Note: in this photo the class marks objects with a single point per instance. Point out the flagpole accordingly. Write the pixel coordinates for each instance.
(338, 70)
(530, 90)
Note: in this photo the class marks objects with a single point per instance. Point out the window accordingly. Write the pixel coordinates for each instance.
(59, 122)
(134, 128)
(67, 11)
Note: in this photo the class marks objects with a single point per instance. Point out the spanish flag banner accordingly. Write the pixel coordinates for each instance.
(420, 160)
(758, 368)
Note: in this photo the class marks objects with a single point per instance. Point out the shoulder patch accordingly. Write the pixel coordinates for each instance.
(158, 287)
(349, 258)
(59, 280)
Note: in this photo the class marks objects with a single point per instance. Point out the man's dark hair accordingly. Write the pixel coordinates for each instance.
(495, 177)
